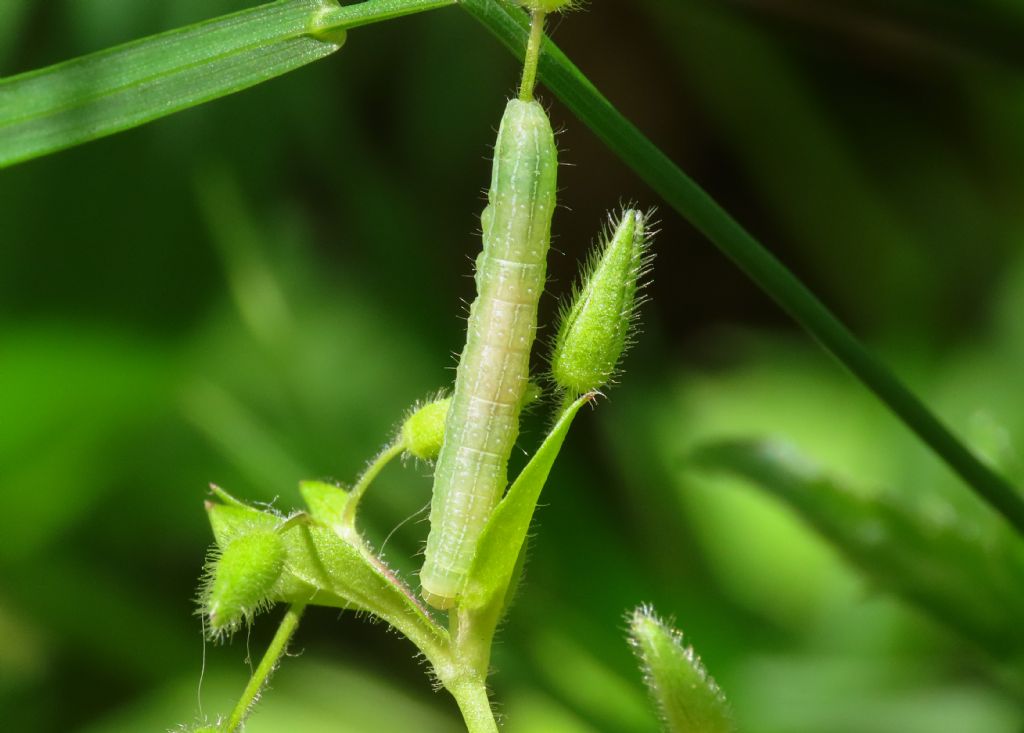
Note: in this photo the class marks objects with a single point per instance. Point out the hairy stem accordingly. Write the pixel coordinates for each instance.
(471, 634)
(259, 679)
(471, 695)
(348, 517)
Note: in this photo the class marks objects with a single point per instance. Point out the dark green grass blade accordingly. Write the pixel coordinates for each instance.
(93, 96)
(970, 579)
(562, 77)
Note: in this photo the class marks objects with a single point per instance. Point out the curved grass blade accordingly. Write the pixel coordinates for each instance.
(93, 96)
(969, 579)
(682, 193)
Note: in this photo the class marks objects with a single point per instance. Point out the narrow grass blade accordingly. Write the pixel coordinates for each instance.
(568, 83)
(968, 579)
(688, 699)
(92, 96)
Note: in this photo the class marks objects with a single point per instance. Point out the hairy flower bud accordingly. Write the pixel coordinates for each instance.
(686, 695)
(423, 430)
(594, 328)
(242, 578)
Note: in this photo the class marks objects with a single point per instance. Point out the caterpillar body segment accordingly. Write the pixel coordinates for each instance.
(493, 372)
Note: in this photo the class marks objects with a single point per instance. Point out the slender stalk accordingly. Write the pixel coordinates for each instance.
(259, 679)
(693, 203)
(348, 517)
(532, 56)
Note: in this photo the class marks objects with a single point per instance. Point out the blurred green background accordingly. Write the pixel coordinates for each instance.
(254, 291)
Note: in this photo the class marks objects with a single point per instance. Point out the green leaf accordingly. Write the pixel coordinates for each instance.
(326, 501)
(92, 96)
(501, 543)
(968, 579)
(323, 569)
(688, 699)
(510, 25)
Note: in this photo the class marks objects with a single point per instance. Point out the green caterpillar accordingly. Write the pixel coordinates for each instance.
(493, 373)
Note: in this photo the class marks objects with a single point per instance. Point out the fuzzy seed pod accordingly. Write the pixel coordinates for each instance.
(242, 579)
(594, 328)
(423, 430)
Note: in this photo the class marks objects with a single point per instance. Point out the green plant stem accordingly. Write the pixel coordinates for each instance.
(471, 695)
(274, 652)
(465, 677)
(532, 57)
(684, 195)
(348, 517)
